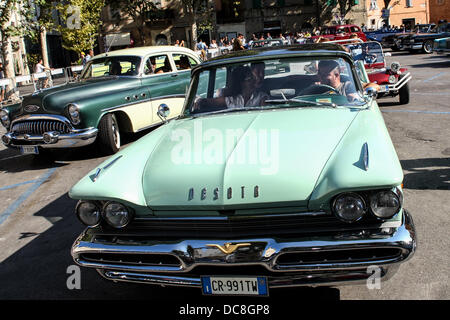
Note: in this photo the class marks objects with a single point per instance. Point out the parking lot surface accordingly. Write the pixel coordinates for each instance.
(38, 224)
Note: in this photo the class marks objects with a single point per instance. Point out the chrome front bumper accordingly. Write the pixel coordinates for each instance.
(50, 138)
(271, 255)
(395, 87)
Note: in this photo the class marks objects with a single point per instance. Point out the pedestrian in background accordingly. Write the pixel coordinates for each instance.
(238, 43)
(39, 68)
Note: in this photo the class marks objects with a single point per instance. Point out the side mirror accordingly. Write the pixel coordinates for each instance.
(163, 112)
(371, 92)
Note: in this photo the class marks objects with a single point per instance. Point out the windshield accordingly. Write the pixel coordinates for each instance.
(274, 83)
(112, 66)
(368, 52)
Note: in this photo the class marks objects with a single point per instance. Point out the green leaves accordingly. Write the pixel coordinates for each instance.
(80, 23)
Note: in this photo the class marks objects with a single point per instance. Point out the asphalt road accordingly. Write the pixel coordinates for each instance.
(38, 226)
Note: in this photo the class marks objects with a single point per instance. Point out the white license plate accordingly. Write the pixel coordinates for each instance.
(29, 150)
(249, 286)
(384, 88)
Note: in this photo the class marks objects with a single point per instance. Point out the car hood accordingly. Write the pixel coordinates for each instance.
(54, 100)
(297, 158)
(243, 158)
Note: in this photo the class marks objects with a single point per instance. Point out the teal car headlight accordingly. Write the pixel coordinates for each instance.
(385, 204)
(349, 207)
(4, 118)
(88, 212)
(117, 215)
(74, 114)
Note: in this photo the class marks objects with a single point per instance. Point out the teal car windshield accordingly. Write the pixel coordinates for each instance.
(274, 83)
(112, 66)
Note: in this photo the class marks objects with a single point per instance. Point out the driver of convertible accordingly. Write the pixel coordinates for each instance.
(330, 75)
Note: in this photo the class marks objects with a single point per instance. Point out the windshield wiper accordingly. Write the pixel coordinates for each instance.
(315, 103)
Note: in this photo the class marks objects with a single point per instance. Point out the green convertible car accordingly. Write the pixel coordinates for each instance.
(119, 91)
(276, 174)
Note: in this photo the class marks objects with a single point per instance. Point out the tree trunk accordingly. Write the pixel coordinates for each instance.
(194, 31)
(44, 50)
(8, 66)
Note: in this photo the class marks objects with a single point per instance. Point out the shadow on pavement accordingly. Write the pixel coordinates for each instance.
(39, 271)
(429, 173)
(432, 64)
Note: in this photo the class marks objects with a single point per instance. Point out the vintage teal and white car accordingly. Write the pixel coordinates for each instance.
(118, 91)
(275, 175)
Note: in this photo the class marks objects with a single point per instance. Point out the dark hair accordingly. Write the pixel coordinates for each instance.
(238, 75)
(326, 66)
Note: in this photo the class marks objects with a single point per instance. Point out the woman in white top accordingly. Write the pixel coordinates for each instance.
(242, 93)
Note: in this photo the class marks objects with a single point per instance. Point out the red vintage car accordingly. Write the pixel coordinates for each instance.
(340, 32)
(393, 80)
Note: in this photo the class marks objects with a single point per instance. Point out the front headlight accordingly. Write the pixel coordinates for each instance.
(88, 212)
(74, 114)
(395, 67)
(116, 214)
(349, 207)
(4, 118)
(385, 204)
(392, 79)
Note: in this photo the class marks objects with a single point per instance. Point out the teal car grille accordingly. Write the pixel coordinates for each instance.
(38, 127)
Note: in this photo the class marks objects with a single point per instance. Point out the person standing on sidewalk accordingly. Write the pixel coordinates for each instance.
(237, 43)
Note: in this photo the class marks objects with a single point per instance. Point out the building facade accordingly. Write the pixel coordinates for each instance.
(439, 10)
(398, 12)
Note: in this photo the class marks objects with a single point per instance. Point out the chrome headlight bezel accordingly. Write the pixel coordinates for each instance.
(356, 197)
(395, 195)
(392, 79)
(73, 111)
(108, 218)
(97, 208)
(4, 118)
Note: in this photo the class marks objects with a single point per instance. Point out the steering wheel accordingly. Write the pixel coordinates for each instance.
(319, 89)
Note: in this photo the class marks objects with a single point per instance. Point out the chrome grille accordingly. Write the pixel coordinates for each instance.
(38, 127)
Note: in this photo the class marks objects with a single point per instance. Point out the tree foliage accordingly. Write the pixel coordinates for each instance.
(196, 9)
(80, 23)
(23, 27)
(142, 12)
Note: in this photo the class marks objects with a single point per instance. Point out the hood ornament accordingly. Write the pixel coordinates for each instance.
(31, 108)
(228, 247)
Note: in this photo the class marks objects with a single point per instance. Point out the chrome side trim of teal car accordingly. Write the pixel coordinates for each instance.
(324, 208)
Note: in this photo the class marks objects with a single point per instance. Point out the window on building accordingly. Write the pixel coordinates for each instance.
(373, 5)
(257, 4)
(409, 3)
(232, 11)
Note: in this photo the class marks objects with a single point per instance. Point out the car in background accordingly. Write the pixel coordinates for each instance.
(117, 92)
(394, 41)
(299, 185)
(393, 80)
(267, 43)
(340, 32)
(425, 42)
(442, 45)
